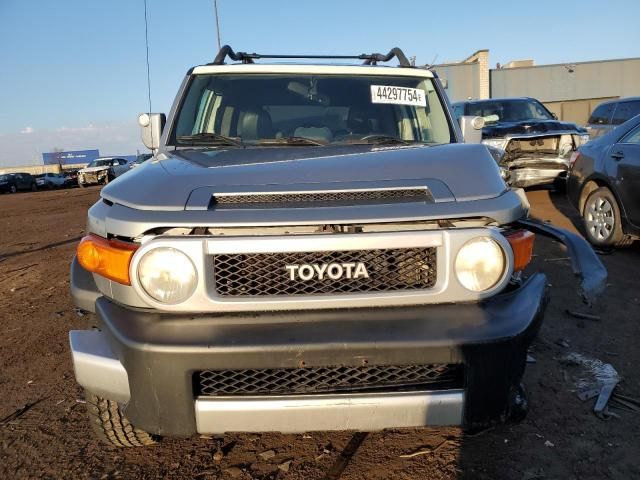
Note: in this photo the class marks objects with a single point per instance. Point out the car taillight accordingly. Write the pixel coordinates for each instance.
(109, 258)
(521, 242)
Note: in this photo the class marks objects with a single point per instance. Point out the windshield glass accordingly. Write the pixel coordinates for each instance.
(4, 178)
(100, 163)
(309, 109)
(510, 110)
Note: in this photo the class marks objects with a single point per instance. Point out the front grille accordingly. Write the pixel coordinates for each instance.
(290, 381)
(255, 274)
(90, 177)
(407, 194)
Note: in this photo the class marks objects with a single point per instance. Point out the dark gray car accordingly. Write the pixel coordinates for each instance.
(608, 115)
(604, 185)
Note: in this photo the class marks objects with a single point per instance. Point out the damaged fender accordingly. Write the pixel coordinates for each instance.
(585, 263)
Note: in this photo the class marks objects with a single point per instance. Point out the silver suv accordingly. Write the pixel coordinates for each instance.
(312, 247)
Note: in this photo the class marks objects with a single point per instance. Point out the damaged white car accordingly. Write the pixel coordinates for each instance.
(102, 171)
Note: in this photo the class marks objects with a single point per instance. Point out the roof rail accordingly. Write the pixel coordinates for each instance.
(369, 59)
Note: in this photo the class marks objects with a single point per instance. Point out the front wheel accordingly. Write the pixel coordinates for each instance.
(13, 189)
(112, 427)
(602, 219)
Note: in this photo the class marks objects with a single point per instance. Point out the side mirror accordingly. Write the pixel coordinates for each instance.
(151, 125)
(554, 115)
(471, 128)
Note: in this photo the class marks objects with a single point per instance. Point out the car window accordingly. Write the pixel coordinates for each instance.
(625, 111)
(516, 110)
(327, 108)
(601, 114)
(632, 137)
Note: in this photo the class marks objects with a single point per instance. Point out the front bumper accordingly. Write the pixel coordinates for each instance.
(148, 359)
(533, 177)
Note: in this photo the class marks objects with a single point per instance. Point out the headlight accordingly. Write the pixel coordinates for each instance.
(500, 143)
(167, 275)
(480, 264)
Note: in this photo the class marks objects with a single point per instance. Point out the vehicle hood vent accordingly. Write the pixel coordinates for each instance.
(346, 197)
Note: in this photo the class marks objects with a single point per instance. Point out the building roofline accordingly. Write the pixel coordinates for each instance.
(567, 64)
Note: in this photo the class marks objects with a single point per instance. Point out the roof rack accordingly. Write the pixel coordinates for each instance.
(369, 59)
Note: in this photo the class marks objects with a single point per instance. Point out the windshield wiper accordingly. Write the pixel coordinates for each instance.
(381, 140)
(208, 138)
(291, 141)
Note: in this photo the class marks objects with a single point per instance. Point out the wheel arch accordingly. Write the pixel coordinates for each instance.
(593, 183)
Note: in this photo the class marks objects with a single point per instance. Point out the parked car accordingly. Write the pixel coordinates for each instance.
(50, 180)
(102, 170)
(71, 177)
(13, 182)
(608, 115)
(531, 144)
(318, 249)
(140, 159)
(604, 185)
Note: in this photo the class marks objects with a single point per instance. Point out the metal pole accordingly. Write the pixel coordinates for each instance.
(215, 6)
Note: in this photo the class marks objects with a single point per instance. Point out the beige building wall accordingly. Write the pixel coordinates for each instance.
(468, 78)
(571, 91)
(578, 81)
(38, 169)
(461, 80)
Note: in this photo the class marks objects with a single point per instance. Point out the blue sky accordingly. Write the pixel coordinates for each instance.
(73, 72)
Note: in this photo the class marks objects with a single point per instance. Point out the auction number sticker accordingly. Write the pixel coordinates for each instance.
(398, 95)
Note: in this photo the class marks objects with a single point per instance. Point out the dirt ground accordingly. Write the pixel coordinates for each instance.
(560, 439)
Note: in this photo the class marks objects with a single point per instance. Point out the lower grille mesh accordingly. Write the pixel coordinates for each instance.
(287, 381)
(270, 273)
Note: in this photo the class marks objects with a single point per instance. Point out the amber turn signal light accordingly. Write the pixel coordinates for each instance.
(108, 258)
(521, 242)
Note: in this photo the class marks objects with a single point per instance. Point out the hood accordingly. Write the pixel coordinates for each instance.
(530, 127)
(93, 169)
(454, 172)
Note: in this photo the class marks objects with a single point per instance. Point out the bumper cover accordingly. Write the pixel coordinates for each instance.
(160, 352)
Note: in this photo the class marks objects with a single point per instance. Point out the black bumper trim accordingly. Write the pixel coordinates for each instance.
(161, 351)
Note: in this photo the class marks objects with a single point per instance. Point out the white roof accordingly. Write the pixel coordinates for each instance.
(314, 69)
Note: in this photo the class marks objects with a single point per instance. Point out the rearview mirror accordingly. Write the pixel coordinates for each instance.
(151, 125)
(471, 128)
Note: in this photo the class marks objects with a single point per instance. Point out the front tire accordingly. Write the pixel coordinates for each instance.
(112, 427)
(602, 220)
(13, 189)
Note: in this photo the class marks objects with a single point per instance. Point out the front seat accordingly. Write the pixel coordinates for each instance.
(254, 125)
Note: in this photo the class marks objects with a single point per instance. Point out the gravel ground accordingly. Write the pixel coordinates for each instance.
(560, 439)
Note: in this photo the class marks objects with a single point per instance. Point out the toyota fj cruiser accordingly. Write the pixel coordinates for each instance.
(312, 247)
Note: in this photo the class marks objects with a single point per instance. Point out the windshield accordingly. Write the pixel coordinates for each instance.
(510, 110)
(100, 163)
(301, 109)
(4, 178)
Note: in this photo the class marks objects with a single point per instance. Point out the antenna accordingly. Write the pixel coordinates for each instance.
(146, 38)
(215, 7)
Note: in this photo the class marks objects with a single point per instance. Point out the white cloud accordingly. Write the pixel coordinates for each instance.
(113, 138)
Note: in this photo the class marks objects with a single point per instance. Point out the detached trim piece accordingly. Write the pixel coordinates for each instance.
(308, 413)
(585, 263)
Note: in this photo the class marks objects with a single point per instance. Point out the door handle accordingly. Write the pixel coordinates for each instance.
(618, 155)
